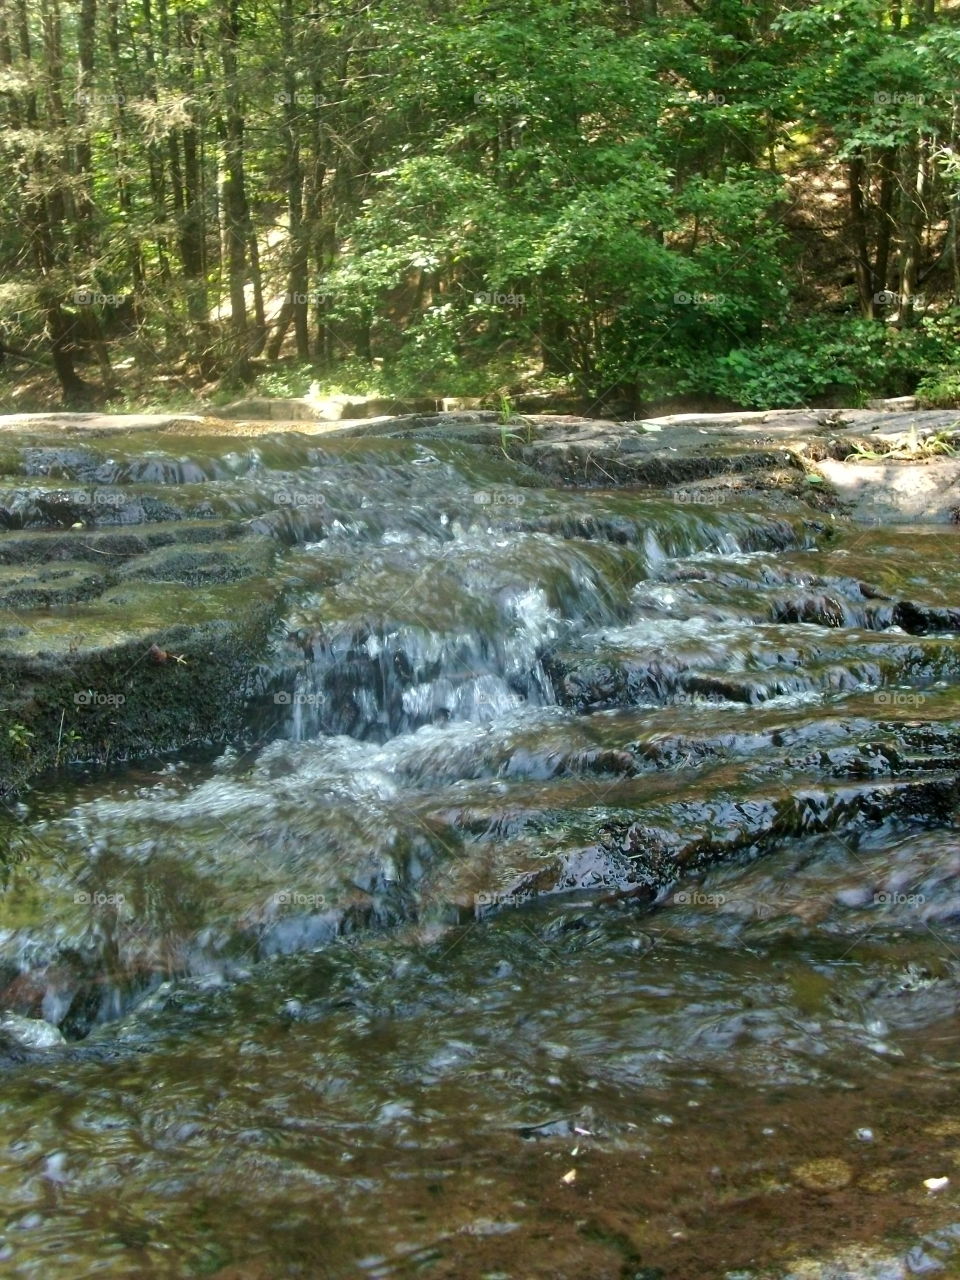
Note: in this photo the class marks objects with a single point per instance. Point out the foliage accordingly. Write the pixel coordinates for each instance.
(939, 389)
(912, 448)
(20, 738)
(640, 201)
(809, 359)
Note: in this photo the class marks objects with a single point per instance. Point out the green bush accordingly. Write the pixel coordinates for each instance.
(792, 364)
(940, 389)
(286, 380)
(851, 358)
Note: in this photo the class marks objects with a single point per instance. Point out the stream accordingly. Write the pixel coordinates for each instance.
(582, 899)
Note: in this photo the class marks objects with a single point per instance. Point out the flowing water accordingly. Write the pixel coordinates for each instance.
(583, 901)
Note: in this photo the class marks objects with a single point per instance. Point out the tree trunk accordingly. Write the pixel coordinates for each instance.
(858, 226)
(86, 30)
(121, 149)
(52, 227)
(282, 324)
(296, 301)
(258, 334)
(881, 274)
(235, 211)
(912, 224)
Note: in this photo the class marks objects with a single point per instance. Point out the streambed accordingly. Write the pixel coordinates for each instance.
(576, 893)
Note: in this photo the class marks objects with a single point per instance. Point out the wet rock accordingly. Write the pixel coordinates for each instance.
(921, 1263)
(855, 1263)
(108, 547)
(918, 619)
(49, 585)
(30, 1033)
(80, 685)
(197, 565)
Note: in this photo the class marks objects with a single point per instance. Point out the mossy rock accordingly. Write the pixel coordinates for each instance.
(199, 565)
(143, 669)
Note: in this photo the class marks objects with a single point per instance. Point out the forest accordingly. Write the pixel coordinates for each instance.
(728, 202)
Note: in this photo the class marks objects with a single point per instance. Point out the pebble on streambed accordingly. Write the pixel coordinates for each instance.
(822, 1176)
(936, 1184)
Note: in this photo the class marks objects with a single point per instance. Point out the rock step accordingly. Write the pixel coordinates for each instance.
(54, 582)
(642, 847)
(103, 680)
(138, 898)
(665, 661)
(111, 545)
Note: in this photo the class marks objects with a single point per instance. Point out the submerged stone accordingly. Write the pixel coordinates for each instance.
(826, 1175)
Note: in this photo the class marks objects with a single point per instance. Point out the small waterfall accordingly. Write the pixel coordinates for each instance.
(420, 629)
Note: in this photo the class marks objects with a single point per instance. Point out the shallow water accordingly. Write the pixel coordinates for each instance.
(589, 872)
